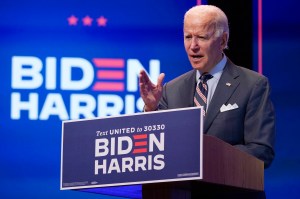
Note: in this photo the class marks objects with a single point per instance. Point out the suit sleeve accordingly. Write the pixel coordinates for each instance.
(163, 103)
(259, 123)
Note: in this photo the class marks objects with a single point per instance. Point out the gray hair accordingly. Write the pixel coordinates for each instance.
(219, 19)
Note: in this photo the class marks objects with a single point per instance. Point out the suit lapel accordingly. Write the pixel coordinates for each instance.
(222, 93)
(187, 95)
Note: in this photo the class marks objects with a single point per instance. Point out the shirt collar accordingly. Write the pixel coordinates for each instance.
(216, 70)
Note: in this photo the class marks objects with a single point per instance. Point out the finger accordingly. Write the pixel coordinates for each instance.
(160, 79)
(143, 77)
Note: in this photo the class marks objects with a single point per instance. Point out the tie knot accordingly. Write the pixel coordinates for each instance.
(205, 76)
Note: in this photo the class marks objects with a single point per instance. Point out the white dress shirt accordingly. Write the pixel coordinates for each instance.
(212, 83)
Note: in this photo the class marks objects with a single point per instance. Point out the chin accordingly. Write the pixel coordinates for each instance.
(197, 67)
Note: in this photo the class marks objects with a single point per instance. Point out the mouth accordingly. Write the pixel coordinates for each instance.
(196, 57)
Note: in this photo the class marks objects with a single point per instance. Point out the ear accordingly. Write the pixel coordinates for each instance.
(224, 40)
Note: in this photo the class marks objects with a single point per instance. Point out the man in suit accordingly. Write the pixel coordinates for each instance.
(237, 106)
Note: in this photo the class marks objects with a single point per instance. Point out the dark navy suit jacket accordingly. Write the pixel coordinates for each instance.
(250, 127)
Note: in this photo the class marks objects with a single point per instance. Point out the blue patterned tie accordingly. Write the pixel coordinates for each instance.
(200, 98)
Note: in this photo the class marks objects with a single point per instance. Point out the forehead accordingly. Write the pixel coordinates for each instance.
(199, 23)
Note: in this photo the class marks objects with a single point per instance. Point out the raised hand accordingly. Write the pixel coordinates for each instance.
(150, 92)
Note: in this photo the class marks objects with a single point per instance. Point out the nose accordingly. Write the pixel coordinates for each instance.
(194, 43)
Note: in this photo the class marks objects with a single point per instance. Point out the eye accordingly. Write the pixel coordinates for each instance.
(202, 37)
(187, 37)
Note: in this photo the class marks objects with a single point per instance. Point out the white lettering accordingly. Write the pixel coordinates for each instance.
(112, 146)
(159, 144)
(69, 63)
(82, 104)
(114, 166)
(75, 74)
(54, 105)
(133, 70)
(100, 166)
(158, 159)
(31, 73)
(127, 163)
(101, 147)
(129, 102)
(140, 104)
(140, 162)
(50, 73)
(109, 105)
(17, 105)
(121, 141)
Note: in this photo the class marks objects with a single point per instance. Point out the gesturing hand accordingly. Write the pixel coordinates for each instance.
(150, 92)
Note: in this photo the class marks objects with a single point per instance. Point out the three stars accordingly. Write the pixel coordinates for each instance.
(87, 21)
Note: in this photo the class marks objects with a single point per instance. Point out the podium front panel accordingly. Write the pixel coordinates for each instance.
(141, 148)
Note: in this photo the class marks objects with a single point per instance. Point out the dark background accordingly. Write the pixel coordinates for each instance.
(240, 14)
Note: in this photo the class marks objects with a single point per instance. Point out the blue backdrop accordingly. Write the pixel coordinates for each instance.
(281, 48)
(112, 40)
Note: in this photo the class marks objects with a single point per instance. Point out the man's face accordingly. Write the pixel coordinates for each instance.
(204, 50)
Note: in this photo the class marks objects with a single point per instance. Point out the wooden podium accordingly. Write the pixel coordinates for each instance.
(227, 173)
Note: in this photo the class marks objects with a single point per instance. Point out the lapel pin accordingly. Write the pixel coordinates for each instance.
(228, 84)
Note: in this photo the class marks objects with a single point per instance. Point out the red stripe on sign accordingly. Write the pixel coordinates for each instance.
(108, 86)
(110, 74)
(142, 150)
(109, 63)
(142, 136)
(141, 143)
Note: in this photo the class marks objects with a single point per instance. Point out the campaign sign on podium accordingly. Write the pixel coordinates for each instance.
(141, 148)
